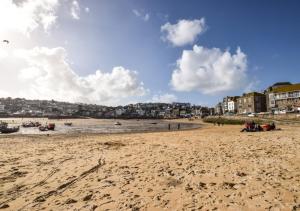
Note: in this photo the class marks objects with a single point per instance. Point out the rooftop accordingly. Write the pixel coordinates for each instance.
(252, 94)
(287, 88)
(281, 84)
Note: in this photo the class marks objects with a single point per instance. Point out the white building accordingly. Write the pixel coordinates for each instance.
(119, 111)
(284, 98)
(141, 112)
(232, 106)
(2, 108)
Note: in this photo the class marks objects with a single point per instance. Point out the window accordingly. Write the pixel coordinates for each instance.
(291, 94)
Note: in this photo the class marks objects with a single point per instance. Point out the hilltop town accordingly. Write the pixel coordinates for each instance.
(282, 97)
(20, 107)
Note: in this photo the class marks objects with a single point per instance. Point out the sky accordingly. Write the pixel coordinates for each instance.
(116, 52)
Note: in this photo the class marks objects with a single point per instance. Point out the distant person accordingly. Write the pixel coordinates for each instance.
(169, 126)
(178, 126)
(272, 126)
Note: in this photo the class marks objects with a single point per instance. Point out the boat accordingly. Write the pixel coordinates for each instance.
(31, 124)
(43, 128)
(118, 123)
(68, 123)
(9, 129)
(51, 126)
(3, 125)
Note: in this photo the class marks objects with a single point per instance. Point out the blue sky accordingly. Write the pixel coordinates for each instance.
(113, 33)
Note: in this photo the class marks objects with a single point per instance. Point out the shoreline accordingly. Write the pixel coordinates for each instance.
(97, 133)
(92, 126)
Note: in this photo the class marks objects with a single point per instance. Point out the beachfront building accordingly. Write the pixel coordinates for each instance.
(232, 106)
(120, 111)
(283, 97)
(253, 102)
(225, 105)
(219, 109)
(2, 108)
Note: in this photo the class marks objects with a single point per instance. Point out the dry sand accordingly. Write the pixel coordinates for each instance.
(212, 168)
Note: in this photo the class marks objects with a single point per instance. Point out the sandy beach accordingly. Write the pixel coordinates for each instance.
(210, 168)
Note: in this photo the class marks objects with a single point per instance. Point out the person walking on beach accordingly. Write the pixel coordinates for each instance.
(178, 126)
(169, 126)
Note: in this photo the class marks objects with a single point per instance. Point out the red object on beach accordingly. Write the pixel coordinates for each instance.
(51, 126)
(266, 127)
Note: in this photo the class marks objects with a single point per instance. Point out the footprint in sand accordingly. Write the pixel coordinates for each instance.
(70, 201)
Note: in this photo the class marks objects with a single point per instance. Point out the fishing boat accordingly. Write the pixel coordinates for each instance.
(68, 123)
(31, 124)
(43, 128)
(9, 129)
(51, 126)
(118, 123)
(3, 125)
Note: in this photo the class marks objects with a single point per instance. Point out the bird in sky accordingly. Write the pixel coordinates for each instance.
(6, 41)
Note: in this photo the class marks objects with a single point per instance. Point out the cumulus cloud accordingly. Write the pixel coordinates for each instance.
(3, 54)
(164, 98)
(26, 16)
(144, 17)
(4, 93)
(183, 32)
(75, 10)
(46, 74)
(209, 71)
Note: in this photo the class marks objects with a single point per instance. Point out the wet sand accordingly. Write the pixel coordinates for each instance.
(212, 168)
(107, 126)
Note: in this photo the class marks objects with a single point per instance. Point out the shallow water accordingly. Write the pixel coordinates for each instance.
(102, 126)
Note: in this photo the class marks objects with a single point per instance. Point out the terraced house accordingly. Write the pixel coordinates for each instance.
(284, 97)
(253, 102)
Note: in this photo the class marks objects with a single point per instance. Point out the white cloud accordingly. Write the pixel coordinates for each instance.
(75, 10)
(184, 32)
(4, 94)
(144, 17)
(87, 10)
(3, 53)
(46, 74)
(209, 71)
(26, 16)
(137, 13)
(164, 98)
(30, 73)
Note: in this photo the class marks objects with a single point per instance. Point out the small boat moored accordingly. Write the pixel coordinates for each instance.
(43, 128)
(31, 124)
(118, 123)
(51, 126)
(9, 129)
(3, 125)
